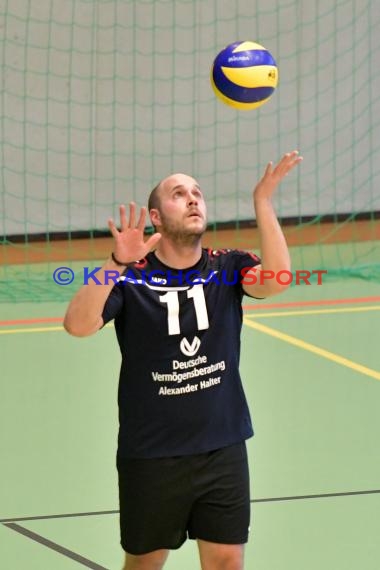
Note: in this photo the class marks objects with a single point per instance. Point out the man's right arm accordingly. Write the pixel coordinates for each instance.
(84, 313)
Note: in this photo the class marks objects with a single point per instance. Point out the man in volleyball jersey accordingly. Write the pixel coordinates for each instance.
(184, 419)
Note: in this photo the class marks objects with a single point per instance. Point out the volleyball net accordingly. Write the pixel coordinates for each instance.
(101, 99)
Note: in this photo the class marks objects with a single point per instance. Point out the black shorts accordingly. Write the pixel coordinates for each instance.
(164, 501)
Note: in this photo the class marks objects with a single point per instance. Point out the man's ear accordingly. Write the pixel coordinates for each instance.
(155, 217)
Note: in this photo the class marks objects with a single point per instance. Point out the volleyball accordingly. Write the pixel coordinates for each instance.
(244, 75)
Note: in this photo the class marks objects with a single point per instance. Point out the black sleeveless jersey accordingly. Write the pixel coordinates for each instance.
(180, 391)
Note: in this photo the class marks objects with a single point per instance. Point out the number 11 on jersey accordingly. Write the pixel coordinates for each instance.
(171, 299)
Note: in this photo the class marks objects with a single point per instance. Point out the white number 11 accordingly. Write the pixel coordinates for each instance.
(171, 299)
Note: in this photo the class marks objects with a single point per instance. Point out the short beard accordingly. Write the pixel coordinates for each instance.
(179, 235)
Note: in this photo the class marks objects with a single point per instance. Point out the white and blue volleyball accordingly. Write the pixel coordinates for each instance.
(244, 75)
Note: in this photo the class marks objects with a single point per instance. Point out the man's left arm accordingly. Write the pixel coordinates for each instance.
(262, 281)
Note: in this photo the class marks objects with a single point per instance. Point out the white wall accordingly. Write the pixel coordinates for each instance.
(102, 99)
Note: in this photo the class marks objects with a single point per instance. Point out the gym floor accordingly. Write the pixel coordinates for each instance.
(311, 369)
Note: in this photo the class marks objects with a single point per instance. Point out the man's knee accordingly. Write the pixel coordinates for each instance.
(221, 556)
(151, 561)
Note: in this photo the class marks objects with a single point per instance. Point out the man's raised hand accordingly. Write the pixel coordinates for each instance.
(129, 240)
(273, 175)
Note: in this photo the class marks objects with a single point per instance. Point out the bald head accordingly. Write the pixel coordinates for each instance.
(166, 185)
(172, 201)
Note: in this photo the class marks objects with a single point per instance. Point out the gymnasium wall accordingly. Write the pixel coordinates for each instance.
(101, 99)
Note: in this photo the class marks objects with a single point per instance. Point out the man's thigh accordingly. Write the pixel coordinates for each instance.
(221, 511)
(155, 502)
